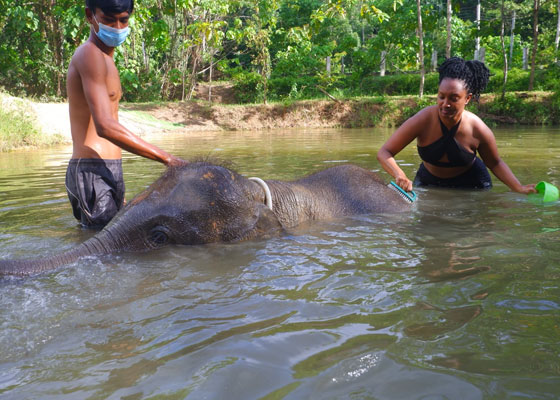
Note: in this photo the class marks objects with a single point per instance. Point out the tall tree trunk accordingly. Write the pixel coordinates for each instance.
(536, 6)
(184, 68)
(185, 54)
(264, 61)
(59, 50)
(265, 73)
(42, 8)
(195, 58)
(421, 48)
(557, 38)
(53, 35)
(477, 40)
(362, 45)
(210, 75)
(448, 43)
(504, 52)
(512, 37)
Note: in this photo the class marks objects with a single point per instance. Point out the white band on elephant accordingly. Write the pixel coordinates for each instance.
(267, 195)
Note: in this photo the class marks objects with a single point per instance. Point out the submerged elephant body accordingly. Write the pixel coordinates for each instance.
(204, 203)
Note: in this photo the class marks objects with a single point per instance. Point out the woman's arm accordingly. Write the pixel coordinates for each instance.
(401, 138)
(504, 173)
(489, 153)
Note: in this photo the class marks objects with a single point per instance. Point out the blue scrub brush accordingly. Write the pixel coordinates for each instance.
(408, 196)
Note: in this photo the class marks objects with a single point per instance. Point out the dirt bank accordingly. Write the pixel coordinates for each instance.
(190, 117)
(197, 116)
(149, 118)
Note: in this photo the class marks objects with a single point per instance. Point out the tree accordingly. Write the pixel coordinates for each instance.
(448, 43)
(504, 53)
(512, 38)
(36, 39)
(420, 48)
(536, 5)
(557, 38)
(271, 49)
(258, 34)
(477, 40)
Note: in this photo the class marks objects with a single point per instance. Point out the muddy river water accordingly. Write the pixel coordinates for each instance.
(459, 299)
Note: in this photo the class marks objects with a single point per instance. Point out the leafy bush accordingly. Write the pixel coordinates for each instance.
(524, 108)
(303, 87)
(247, 86)
(139, 86)
(555, 107)
(392, 85)
(549, 79)
(518, 80)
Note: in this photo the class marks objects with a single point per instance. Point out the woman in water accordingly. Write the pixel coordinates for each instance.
(448, 137)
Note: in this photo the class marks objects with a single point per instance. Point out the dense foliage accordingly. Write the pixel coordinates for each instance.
(276, 49)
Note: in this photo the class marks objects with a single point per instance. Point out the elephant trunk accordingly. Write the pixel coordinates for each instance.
(102, 243)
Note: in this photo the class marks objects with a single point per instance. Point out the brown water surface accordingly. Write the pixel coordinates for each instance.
(459, 299)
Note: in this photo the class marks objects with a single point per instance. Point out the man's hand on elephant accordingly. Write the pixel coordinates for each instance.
(176, 162)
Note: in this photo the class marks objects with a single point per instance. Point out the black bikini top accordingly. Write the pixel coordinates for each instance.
(457, 155)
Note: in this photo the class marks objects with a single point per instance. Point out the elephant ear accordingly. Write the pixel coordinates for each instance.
(267, 222)
(264, 224)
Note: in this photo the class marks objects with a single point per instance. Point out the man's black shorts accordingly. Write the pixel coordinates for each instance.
(95, 189)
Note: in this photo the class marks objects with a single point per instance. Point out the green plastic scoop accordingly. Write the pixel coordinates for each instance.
(546, 193)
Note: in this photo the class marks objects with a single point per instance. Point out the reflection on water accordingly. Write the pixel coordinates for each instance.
(458, 299)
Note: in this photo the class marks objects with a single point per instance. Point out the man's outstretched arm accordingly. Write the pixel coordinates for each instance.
(93, 72)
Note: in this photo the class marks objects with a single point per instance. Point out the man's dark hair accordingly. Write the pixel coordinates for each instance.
(473, 73)
(111, 6)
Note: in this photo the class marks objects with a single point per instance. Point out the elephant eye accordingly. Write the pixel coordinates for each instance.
(159, 236)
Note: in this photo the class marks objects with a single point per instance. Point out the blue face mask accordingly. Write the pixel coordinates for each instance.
(112, 37)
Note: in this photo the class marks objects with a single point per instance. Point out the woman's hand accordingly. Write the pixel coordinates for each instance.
(526, 189)
(404, 183)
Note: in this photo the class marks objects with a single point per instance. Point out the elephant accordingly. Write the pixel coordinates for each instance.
(203, 202)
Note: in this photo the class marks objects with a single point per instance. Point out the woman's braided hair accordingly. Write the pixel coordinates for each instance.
(473, 73)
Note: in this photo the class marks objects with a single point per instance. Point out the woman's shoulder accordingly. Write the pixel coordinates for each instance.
(426, 114)
(477, 126)
(474, 120)
(419, 123)
(429, 110)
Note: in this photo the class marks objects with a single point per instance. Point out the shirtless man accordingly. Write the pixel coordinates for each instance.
(94, 179)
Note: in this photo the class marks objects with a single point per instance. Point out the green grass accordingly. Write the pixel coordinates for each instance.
(18, 130)
(149, 119)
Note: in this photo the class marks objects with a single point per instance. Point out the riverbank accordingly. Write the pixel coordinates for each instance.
(26, 123)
